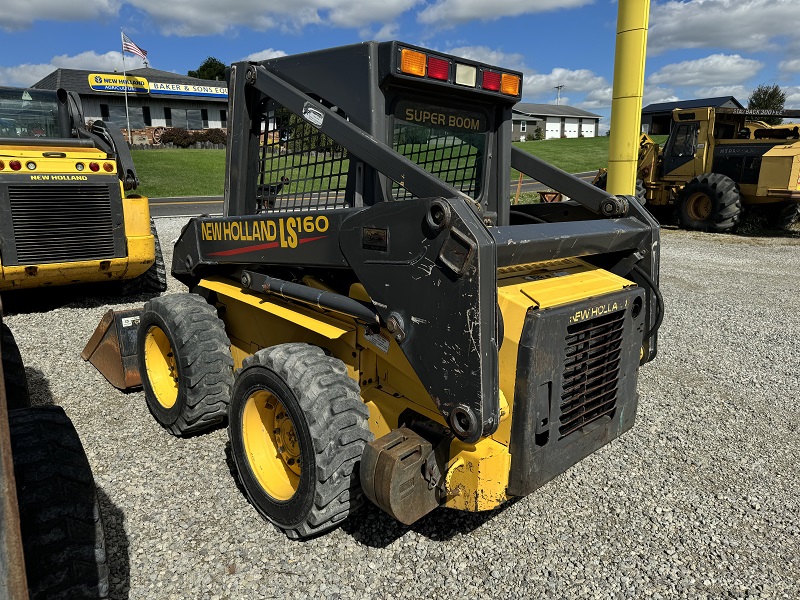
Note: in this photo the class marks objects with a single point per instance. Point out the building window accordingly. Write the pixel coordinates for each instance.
(168, 116)
(223, 118)
(135, 114)
(146, 116)
(178, 118)
(523, 126)
(104, 112)
(193, 119)
(204, 117)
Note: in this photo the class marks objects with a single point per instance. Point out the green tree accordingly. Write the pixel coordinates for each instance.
(212, 68)
(767, 97)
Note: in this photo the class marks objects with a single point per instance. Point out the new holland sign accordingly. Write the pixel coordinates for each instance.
(105, 82)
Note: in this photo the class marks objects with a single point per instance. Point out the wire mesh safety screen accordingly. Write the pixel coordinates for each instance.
(300, 168)
(448, 143)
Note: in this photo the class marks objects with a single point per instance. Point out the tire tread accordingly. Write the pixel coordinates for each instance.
(62, 530)
(338, 422)
(203, 352)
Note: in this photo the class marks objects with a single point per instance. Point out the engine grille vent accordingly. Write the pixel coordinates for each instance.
(61, 223)
(591, 373)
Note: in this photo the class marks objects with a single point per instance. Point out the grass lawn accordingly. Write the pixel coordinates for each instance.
(574, 155)
(180, 172)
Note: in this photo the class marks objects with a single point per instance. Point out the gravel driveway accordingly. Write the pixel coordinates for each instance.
(699, 500)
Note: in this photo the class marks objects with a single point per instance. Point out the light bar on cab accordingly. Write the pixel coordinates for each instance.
(422, 64)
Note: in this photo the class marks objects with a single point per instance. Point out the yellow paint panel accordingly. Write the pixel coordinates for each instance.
(477, 476)
(136, 212)
(63, 273)
(539, 286)
(304, 318)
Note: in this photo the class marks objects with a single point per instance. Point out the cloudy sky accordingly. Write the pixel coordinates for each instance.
(696, 48)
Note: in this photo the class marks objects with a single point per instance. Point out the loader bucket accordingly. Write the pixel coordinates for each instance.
(112, 348)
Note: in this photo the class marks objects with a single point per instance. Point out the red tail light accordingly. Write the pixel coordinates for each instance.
(491, 81)
(94, 167)
(15, 165)
(438, 68)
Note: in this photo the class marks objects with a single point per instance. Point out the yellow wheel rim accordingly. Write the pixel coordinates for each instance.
(698, 206)
(162, 370)
(271, 445)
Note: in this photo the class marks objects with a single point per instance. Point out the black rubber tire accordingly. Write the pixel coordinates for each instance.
(641, 192)
(725, 199)
(154, 280)
(331, 422)
(202, 357)
(60, 522)
(784, 215)
(17, 395)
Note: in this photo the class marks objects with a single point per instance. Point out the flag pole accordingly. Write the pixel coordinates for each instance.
(125, 85)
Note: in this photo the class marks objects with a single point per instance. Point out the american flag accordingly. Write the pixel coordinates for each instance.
(129, 46)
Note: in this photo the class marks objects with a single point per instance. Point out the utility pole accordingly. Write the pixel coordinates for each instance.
(558, 89)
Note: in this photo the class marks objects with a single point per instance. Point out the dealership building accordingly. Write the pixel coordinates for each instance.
(155, 98)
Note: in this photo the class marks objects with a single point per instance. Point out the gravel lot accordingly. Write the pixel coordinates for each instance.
(699, 500)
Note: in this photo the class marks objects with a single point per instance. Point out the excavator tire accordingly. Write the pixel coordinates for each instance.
(17, 395)
(785, 215)
(710, 202)
(297, 428)
(154, 280)
(185, 361)
(62, 530)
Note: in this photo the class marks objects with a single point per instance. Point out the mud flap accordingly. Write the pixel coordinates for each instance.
(112, 348)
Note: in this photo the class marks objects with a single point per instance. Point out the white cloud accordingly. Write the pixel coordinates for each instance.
(27, 74)
(352, 13)
(387, 32)
(713, 70)
(24, 75)
(790, 66)
(447, 12)
(739, 91)
(577, 80)
(209, 17)
(20, 14)
(656, 95)
(597, 98)
(264, 55)
(750, 25)
(792, 98)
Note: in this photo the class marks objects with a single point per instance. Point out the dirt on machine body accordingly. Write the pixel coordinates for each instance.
(372, 317)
